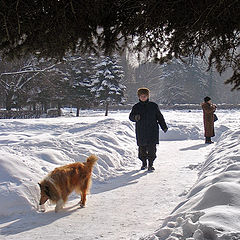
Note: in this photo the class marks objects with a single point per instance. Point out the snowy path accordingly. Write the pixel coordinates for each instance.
(126, 207)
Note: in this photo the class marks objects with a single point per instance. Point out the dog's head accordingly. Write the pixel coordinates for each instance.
(45, 193)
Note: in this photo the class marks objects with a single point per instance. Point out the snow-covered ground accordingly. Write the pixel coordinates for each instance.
(193, 194)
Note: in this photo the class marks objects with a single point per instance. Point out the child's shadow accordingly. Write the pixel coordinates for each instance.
(116, 182)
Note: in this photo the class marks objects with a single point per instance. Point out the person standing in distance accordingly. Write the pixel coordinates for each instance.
(208, 119)
(147, 116)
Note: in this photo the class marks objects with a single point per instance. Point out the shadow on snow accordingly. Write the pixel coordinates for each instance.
(25, 222)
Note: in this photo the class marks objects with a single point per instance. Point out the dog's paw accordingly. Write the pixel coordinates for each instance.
(41, 208)
(81, 205)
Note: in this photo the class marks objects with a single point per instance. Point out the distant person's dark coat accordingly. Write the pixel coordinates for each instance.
(147, 128)
(208, 119)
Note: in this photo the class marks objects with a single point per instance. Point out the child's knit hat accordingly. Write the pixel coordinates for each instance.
(144, 91)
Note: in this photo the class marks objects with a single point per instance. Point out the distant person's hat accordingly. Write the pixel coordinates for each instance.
(206, 99)
(142, 91)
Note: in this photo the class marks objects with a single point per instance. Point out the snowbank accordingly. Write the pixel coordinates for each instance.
(212, 207)
(32, 148)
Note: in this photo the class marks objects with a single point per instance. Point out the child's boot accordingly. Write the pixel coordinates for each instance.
(150, 165)
(144, 165)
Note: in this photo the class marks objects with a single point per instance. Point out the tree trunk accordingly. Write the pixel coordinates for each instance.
(34, 106)
(45, 107)
(78, 111)
(107, 106)
(59, 108)
(9, 100)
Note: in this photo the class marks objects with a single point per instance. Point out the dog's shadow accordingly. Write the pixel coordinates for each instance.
(23, 222)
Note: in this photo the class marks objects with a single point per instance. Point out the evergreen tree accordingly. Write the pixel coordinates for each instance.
(79, 71)
(83, 80)
(106, 84)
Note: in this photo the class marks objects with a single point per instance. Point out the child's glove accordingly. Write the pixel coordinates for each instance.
(165, 130)
(137, 117)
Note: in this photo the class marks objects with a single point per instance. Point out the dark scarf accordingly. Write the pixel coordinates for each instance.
(145, 102)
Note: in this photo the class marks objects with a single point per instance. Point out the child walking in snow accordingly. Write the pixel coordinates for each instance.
(148, 117)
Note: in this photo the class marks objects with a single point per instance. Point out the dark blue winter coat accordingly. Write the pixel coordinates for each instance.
(147, 128)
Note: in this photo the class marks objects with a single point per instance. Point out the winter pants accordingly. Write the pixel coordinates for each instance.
(147, 152)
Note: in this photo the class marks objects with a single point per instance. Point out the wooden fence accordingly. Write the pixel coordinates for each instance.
(25, 114)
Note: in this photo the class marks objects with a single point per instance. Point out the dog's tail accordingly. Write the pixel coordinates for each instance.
(91, 160)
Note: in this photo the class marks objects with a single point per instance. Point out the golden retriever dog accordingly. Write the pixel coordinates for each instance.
(59, 183)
